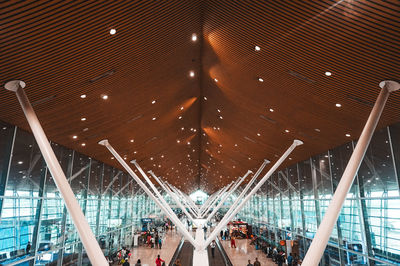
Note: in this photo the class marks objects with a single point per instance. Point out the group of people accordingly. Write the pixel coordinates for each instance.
(256, 263)
(153, 240)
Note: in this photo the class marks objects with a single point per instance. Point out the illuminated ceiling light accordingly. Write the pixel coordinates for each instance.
(338, 105)
(194, 130)
(134, 152)
(180, 117)
(20, 162)
(151, 158)
(290, 158)
(236, 145)
(75, 137)
(112, 158)
(260, 80)
(104, 97)
(188, 143)
(287, 130)
(233, 166)
(205, 98)
(258, 134)
(194, 37)
(327, 73)
(83, 144)
(83, 119)
(153, 102)
(257, 48)
(220, 117)
(219, 111)
(348, 135)
(271, 110)
(218, 128)
(132, 140)
(191, 74)
(249, 158)
(317, 129)
(178, 141)
(159, 166)
(83, 96)
(113, 31)
(216, 80)
(153, 118)
(182, 128)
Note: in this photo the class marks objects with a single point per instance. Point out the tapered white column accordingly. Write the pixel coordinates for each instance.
(226, 218)
(244, 191)
(172, 215)
(173, 196)
(227, 195)
(324, 231)
(86, 235)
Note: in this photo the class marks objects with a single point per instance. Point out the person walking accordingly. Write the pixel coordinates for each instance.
(212, 246)
(138, 263)
(159, 261)
(28, 247)
(290, 260)
(257, 263)
(249, 264)
(160, 242)
(233, 242)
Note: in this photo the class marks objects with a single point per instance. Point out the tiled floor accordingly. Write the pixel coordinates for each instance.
(148, 255)
(244, 252)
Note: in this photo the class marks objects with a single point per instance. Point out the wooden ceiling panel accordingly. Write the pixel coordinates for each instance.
(64, 49)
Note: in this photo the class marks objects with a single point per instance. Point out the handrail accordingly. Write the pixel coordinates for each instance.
(176, 253)
(227, 261)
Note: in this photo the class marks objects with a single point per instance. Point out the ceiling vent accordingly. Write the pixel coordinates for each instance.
(249, 139)
(297, 75)
(44, 100)
(268, 119)
(104, 75)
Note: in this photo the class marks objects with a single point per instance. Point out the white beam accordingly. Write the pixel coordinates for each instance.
(172, 216)
(86, 235)
(226, 218)
(324, 231)
(216, 199)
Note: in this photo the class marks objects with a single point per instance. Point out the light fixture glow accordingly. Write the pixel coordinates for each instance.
(191, 74)
(153, 102)
(220, 117)
(83, 96)
(180, 117)
(338, 105)
(20, 162)
(258, 134)
(153, 118)
(132, 140)
(104, 97)
(83, 144)
(194, 37)
(327, 73)
(178, 141)
(348, 135)
(216, 80)
(113, 31)
(287, 130)
(271, 110)
(205, 98)
(260, 80)
(257, 48)
(83, 119)
(75, 137)
(181, 107)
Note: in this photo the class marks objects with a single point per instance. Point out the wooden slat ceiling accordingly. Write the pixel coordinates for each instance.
(63, 49)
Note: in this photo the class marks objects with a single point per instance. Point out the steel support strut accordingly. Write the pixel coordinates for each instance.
(172, 215)
(215, 200)
(227, 195)
(86, 235)
(324, 231)
(226, 218)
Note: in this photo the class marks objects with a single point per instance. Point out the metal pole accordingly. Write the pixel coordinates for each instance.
(225, 220)
(173, 196)
(215, 200)
(92, 248)
(227, 195)
(324, 231)
(173, 217)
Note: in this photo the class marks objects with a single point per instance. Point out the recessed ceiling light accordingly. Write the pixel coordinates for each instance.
(258, 134)
(249, 158)
(327, 73)
(83, 119)
(290, 158)
(271, 110)
(83, 96)
(83, 144)
(188, 143)
(178, 141)
(236, 145)
(338, 105)
(132, 140)
(257, 48)
(151, 158)
(260, 80)
(20, 162)
(317, 129)
(219, 111)
(112, 158)
(180, 117)
(153, 102)
(153, 118)
(220, 117)
(182, 128)
(134, 152)
(104, 97)
(162, 156)
(216, 80)
(205, 98)
(113, 31)
(194, 37)
(348, 135)
(181, 107)
(191, 74)
(75, 137)
(287, 130)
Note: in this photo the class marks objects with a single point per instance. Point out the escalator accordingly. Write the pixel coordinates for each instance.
(184, 253)
(220, 258)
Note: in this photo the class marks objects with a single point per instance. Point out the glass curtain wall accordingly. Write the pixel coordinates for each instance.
(35, 227)
(292, 203)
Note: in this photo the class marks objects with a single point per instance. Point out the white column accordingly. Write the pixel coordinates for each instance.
(225, 220)
(173, 196)
(216, 200)
(182, 199)
(324, 231)
(227, 195)
(172, 216)
(86, 235)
